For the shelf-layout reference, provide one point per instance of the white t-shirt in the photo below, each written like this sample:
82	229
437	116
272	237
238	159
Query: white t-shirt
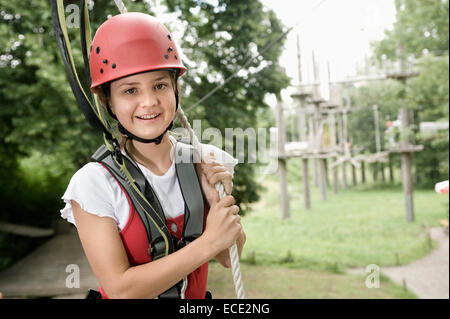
98	193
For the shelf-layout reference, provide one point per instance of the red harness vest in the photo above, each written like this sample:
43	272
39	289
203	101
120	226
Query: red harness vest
135	242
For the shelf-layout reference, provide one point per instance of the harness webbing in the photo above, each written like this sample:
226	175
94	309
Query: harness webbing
154	220
92	112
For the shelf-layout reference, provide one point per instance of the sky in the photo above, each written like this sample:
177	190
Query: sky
339	32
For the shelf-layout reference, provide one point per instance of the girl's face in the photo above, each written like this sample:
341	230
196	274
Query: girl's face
144	103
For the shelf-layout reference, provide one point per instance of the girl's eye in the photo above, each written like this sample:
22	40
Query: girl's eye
130	91
160	86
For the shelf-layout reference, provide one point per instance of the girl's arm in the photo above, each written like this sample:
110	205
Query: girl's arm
108	259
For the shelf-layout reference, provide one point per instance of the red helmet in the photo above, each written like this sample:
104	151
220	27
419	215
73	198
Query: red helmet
130	43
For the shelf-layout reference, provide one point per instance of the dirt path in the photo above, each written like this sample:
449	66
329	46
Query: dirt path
50	270
427	277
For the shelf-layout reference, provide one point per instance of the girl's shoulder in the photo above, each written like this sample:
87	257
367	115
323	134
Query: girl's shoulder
91	171
97	192
92	175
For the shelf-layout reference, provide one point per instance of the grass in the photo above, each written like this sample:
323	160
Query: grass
306	256
356	227
275	282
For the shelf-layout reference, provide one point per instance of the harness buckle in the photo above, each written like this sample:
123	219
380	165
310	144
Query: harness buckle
117	153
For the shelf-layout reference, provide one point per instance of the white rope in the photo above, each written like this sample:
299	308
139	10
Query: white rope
121	6
233	251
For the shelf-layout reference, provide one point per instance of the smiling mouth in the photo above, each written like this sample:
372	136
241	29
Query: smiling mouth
149	117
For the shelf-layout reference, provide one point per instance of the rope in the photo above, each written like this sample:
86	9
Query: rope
121	6
233	251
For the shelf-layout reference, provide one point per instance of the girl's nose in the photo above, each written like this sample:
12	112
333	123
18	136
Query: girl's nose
149	98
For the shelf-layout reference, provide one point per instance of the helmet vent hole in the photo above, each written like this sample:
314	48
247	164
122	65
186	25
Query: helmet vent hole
101	70
169	36
170	49
113	66
105	61
166	56
97	50
176	58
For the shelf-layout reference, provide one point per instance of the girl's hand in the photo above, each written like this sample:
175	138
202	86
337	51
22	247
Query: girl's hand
210	172
223	225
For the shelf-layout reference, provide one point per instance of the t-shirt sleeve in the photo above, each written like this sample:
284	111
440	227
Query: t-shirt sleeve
221	156
92	189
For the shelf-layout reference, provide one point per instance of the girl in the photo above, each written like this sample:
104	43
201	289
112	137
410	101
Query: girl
135	67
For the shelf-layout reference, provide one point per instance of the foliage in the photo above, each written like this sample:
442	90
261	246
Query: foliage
421	30
428	93
361	121
421	25
45	137
226	34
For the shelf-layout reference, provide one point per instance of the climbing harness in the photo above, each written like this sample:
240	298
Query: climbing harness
150	211
110	154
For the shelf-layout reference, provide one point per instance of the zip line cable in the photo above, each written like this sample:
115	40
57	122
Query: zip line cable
251	59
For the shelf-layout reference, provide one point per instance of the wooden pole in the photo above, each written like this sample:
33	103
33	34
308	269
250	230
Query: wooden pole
354	176
301	115
284	197
378	140
317	142
391	169
323	180
363	172
406	168
377	128
332	125
344	130
405	142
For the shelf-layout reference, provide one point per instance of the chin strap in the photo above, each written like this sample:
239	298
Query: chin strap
131	136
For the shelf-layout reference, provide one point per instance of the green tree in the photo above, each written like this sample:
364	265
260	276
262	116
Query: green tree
39	116
422	31
420	25
226	35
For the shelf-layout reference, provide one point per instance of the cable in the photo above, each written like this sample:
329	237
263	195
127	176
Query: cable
251	59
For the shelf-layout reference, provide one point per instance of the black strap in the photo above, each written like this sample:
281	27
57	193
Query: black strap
131	136
191	190
58	21
152	217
